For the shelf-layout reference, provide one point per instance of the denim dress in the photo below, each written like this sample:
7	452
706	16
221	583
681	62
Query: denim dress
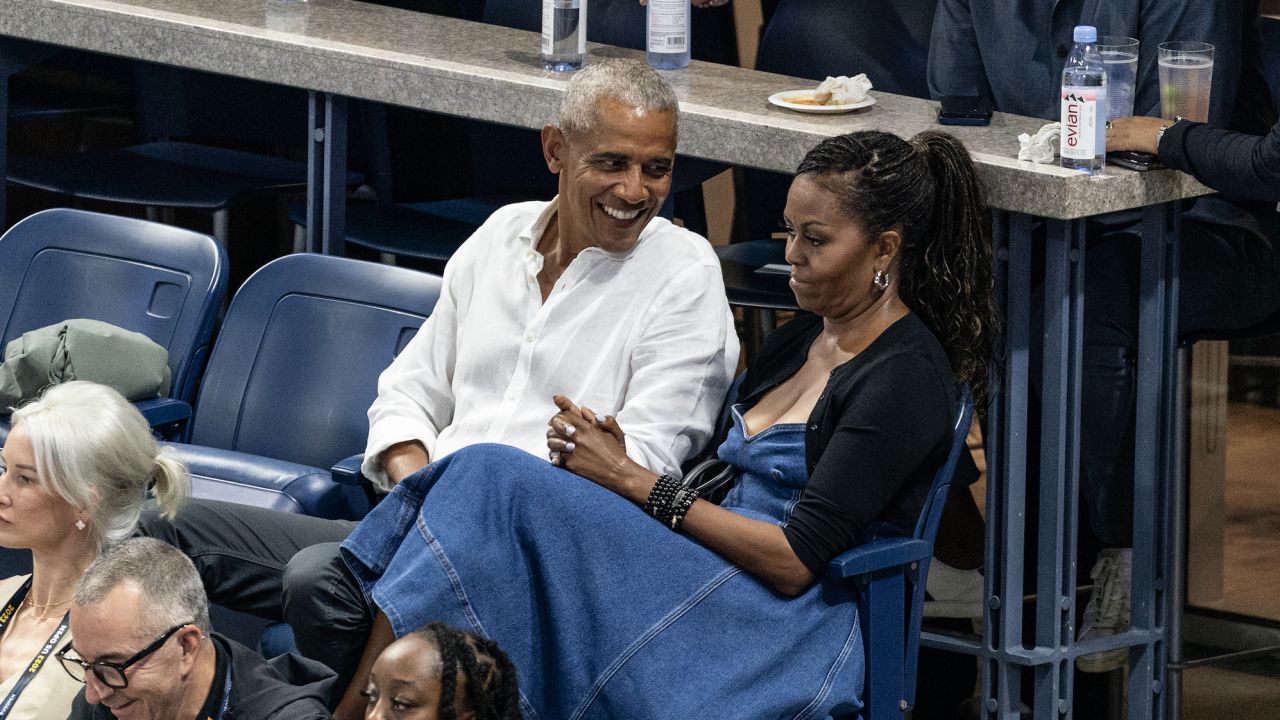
604	611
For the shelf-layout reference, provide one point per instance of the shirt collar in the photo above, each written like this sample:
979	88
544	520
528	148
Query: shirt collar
529	236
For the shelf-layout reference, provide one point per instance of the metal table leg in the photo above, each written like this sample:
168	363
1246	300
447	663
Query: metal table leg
327	174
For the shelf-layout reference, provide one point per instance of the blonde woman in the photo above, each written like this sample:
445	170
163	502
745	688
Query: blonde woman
76	469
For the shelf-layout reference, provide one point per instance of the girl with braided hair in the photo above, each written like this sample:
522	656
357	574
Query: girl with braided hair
440	673
840	425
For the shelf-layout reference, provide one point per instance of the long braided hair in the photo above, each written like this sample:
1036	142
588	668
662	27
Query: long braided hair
927	189
478	669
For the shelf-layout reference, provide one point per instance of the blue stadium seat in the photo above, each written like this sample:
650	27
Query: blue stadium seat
164	282
292	375
890	574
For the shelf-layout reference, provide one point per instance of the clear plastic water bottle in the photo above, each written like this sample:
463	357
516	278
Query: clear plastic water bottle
668	34
1084	104
564	34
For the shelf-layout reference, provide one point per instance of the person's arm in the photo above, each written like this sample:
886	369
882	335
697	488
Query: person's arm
352	704
955	64
415	393
1245	167
892	422
680	371
756	546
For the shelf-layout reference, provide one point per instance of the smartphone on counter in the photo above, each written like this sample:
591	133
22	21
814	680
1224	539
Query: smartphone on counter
964	110
1133	160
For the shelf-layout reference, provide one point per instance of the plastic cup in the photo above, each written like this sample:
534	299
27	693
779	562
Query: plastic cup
1120	56
1186	80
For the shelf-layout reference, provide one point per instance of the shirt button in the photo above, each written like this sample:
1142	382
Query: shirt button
531	337
1062	51
813	427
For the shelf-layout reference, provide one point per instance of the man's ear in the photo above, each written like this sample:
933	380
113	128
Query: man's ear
553	147
189	639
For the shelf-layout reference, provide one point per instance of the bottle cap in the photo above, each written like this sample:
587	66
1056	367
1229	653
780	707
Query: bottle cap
1085	34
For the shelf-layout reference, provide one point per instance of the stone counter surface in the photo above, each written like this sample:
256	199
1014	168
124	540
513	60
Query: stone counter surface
495	74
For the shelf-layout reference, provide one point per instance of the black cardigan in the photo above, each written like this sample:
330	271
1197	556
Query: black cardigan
875	439
1243	167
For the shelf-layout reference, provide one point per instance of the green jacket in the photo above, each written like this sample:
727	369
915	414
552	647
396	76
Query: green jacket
82	349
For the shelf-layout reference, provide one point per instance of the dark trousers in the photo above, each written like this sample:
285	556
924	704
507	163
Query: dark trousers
1229	280
277	566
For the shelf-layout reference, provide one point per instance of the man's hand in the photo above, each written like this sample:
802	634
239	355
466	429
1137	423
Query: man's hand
403	459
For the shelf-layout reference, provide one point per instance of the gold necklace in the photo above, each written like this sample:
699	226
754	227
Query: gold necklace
43	609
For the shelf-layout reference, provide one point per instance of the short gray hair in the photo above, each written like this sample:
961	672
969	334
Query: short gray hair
627	81
95	450
167	580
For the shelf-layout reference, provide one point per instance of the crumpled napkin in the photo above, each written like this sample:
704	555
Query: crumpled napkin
1040	148
842	90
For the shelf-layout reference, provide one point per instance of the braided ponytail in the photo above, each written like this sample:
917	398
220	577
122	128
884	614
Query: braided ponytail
928	190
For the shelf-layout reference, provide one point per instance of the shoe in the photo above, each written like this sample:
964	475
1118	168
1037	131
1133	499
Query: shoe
953	593
1108	610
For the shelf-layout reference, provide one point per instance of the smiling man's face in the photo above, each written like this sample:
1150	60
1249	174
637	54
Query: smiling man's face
614	176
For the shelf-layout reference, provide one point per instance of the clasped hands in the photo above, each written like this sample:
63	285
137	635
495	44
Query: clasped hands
587	444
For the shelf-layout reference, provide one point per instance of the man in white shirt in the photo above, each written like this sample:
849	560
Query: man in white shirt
590	296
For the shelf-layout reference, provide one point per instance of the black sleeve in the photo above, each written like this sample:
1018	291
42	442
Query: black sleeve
1243	167
889	428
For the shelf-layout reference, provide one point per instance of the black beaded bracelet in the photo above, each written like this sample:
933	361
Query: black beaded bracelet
661	496
679	506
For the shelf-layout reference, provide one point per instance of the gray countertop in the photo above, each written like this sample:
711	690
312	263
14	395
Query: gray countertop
492	73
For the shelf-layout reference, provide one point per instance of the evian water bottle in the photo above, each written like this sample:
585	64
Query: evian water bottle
1084	104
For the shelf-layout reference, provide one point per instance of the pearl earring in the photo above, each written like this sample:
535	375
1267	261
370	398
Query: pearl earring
80	525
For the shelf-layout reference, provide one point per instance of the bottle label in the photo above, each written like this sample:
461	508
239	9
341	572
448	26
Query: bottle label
549	29
668	26
1083	133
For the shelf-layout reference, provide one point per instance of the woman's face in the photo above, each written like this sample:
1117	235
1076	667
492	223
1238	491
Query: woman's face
833	261
30	516
404	683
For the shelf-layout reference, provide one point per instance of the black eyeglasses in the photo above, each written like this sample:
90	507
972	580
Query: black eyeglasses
109	673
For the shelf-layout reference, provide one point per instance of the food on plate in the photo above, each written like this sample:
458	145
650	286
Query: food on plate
840	90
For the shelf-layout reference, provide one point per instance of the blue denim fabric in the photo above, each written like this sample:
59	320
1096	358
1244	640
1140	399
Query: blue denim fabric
605	612
1012	51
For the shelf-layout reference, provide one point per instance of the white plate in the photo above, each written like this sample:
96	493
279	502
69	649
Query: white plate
782	99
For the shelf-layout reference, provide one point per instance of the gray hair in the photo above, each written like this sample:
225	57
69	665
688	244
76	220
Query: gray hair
628	81
95	451
167	580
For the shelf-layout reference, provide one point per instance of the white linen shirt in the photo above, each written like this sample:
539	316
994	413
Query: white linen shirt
645	335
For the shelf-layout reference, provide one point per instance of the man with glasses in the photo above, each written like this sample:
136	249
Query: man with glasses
144	651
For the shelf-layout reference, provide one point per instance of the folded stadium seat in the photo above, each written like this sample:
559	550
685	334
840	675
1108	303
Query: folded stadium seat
504	164
204	137
164	282
292	374
889	41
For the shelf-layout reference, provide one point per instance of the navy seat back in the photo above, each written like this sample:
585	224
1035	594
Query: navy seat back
164	282
1271	56
296	364
887	40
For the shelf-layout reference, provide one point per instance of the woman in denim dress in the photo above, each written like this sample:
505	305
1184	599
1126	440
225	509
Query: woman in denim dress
618	595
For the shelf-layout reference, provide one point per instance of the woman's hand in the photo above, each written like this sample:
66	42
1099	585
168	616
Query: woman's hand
1135	133
590	445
